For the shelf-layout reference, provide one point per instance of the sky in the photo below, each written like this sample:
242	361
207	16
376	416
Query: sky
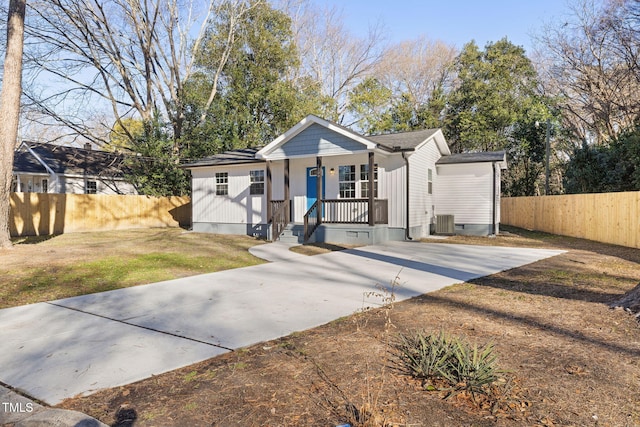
453	21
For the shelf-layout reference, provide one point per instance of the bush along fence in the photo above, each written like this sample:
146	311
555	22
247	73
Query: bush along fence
604	217
39	214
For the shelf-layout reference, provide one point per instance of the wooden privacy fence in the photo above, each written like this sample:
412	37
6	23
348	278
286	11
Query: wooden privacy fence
603	217
34	214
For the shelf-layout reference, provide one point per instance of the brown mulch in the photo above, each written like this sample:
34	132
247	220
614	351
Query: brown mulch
569	358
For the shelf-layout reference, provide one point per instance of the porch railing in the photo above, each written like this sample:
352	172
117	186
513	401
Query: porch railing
280	217
354	211
311	221
345	211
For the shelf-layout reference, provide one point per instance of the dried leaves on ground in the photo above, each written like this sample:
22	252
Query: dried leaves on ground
569	358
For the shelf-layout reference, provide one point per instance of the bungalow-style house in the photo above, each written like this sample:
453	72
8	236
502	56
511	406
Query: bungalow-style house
49	168
314	182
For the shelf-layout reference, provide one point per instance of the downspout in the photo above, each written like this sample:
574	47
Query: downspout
406	162
493	199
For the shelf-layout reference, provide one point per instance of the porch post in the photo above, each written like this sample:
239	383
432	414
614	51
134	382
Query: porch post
269	192
319	189
287	194
371	213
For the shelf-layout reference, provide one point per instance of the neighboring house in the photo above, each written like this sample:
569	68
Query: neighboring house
49	168
415	179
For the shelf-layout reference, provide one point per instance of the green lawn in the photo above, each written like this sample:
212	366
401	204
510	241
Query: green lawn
68	265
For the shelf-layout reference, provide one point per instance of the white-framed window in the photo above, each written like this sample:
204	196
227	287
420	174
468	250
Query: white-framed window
347	181
257	182
14	184
45	185
364	181
91	188
222	183
430	181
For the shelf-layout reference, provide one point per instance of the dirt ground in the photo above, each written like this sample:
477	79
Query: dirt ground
569	359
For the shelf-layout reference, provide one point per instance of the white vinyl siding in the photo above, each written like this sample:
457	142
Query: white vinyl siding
77	185
236	207
422	203
392	186
466	190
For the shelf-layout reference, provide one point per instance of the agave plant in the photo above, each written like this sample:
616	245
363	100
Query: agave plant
453	359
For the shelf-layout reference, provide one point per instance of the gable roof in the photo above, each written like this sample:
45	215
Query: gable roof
385	144
231	157
409	141
403	140
25	162
307	122
66	160
485	156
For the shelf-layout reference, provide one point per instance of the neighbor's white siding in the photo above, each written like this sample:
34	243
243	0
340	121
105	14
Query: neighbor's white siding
237	207
421	203
77	185
465	190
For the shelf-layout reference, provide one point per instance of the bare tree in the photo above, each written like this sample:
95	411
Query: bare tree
621	18
417	68
330	54
10	110
590	66
131	55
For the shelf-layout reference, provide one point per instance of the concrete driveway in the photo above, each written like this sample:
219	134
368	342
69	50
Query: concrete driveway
63	348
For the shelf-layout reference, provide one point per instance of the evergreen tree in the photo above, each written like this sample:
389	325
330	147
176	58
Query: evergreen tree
257	100
496	106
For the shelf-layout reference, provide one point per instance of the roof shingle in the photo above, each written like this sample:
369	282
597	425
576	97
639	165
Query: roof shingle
487	156
66	160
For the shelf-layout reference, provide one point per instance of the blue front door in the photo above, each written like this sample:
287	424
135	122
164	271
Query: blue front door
312	190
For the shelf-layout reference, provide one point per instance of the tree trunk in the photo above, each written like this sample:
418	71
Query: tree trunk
629	302
10	110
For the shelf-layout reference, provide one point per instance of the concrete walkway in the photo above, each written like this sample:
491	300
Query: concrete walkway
276	251
63	348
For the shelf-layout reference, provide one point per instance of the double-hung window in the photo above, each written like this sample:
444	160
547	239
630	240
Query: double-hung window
347	181
222	183
257	182
430	181
364	181
92	187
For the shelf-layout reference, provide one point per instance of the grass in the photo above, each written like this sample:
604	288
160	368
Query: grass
570	359
44	269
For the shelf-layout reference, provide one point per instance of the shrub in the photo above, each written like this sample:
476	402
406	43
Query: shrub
445	359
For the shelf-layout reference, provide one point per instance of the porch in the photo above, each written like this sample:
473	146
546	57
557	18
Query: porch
347	198
347	220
